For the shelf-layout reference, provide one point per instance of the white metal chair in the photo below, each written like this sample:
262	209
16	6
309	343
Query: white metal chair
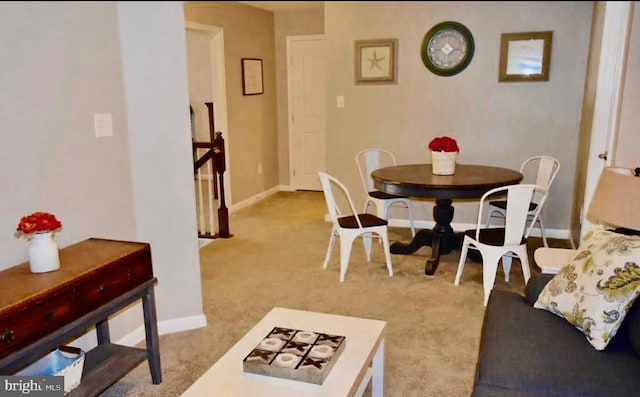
547	169
502	242
369	160
349	225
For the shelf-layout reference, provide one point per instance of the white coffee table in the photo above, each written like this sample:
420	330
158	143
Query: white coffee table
361	361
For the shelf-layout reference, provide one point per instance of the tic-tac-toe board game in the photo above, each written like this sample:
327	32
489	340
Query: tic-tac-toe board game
295	354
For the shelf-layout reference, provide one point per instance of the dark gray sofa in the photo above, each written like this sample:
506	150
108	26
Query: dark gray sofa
532	352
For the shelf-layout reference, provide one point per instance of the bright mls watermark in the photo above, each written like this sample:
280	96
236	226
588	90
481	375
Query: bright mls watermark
40	386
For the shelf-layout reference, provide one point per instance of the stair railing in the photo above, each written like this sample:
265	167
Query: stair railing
206	167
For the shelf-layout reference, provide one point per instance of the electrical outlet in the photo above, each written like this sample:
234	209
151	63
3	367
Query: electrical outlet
259	168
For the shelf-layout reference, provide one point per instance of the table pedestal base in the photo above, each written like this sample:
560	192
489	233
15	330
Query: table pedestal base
442	239
440	243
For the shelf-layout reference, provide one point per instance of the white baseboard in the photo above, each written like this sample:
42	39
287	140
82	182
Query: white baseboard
204	241
165	327
182	324
254	199
261	196
418	224
287	188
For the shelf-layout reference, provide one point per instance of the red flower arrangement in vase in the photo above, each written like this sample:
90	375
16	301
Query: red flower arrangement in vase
39	227
443	144
444	153
38	222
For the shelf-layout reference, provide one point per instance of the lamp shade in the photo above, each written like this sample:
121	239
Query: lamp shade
616	200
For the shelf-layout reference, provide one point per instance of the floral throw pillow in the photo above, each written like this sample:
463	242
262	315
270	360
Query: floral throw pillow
595	290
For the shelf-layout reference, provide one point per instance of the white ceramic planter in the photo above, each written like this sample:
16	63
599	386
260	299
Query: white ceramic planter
443	163
43	253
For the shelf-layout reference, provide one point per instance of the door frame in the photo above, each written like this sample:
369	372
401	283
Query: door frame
290	40
606	113
219	91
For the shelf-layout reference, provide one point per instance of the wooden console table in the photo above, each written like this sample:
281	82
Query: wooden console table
97	278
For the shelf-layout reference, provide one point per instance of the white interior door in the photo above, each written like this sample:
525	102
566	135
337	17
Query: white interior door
307	101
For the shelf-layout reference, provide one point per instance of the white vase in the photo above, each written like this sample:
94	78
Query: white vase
443	163
43	253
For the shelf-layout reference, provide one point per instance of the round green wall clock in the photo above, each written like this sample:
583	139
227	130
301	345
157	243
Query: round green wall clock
447	48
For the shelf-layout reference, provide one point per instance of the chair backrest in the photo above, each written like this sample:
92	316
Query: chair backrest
369	160
518	199
544	170
328	182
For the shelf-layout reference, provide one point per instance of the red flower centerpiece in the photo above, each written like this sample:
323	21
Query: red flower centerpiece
39	227
444	153
38	222
443	144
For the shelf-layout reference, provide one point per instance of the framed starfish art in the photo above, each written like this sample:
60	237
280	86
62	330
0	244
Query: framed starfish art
375	61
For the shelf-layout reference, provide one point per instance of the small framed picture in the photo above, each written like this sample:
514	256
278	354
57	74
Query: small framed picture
375	61
252	76
525	56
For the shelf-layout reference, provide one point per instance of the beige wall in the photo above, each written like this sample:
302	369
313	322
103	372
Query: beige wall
253	140
200	81
61	64
498	124
153	41
290	23
628	148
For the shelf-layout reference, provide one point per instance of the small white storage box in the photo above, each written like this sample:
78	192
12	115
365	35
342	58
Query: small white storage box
65	361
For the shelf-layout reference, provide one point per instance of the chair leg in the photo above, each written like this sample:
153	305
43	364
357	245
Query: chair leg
489	269
410	211
384	236
346	241
382	209
543	233
367	203
407	205
506	265
366	240
379	211
328	255
524	262
463	259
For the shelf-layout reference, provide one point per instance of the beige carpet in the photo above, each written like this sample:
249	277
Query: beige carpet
275	259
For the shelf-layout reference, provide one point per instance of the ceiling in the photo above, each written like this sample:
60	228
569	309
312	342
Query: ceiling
284	5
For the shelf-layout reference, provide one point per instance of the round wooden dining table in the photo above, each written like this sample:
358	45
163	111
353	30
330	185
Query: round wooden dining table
417	180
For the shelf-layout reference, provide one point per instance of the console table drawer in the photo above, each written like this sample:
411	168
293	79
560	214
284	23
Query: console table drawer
112	282
31	323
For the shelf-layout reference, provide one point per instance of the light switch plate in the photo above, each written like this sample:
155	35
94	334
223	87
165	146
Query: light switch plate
103	123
